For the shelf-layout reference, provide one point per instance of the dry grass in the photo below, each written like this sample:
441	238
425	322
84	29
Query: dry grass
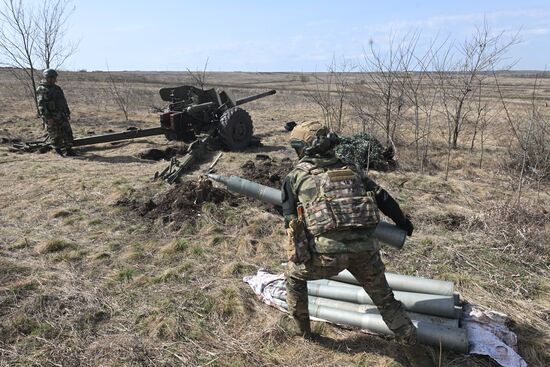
86	282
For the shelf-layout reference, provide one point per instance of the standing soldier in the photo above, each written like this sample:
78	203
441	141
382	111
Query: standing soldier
331	211
54	110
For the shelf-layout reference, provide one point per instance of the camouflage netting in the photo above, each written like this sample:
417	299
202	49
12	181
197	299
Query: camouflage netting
363	149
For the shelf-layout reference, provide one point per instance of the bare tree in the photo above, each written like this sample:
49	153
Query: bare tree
51	20
413	88
458	70
199	77
480	110
18	37
420	94
33	37
462	68
484	114
120	91
385	79
537	142
530	154
331	92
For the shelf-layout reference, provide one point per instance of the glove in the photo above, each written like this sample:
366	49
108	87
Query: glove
407	226
389	207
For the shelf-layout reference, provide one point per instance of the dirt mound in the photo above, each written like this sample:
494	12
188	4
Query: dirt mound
269	172
182	203
162	154
266	170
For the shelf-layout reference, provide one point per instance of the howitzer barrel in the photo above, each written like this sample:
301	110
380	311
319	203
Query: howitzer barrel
200	107
126	135
254	97
385	232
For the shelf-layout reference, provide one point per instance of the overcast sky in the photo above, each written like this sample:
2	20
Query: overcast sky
285	35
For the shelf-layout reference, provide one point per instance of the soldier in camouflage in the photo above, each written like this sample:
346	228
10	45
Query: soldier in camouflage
54	110
331	211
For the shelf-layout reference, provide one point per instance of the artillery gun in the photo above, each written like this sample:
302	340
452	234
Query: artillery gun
193	111
191	114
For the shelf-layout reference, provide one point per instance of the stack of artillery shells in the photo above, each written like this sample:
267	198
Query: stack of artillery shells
432	305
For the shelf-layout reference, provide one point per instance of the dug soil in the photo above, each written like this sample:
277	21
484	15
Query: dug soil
181	204
267	171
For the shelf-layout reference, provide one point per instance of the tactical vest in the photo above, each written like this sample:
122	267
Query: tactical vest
52	100
335	199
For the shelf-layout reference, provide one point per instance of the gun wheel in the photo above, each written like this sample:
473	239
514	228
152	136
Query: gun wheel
235	129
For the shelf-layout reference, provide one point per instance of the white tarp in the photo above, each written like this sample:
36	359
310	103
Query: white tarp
487	331
264	284
488	335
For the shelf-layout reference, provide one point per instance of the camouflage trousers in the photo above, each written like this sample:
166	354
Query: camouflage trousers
368	269
60	133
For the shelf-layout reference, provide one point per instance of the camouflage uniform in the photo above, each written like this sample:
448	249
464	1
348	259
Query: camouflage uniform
54	110
344	242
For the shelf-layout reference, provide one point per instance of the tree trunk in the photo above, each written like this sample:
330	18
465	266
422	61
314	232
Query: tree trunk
448	163
482	149
34	93
474	137
456	130
457	121
416	130
388	120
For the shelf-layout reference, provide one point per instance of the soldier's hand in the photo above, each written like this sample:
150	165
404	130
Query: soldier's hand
407	226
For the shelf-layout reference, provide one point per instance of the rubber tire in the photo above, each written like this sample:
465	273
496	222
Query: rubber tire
236	129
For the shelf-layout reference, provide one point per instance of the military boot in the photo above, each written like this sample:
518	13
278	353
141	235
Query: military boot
304	327
71	152
60	152
294	327
419	356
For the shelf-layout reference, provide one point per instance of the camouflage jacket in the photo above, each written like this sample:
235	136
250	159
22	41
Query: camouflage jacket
51	101
341	241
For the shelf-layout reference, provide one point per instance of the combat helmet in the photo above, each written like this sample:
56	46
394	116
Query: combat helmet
49	73
312	137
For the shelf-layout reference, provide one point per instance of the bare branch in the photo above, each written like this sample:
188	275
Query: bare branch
331	93
17	40
120	91
33	36
199	77
50	21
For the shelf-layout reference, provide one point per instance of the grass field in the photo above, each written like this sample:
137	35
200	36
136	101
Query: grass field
91	275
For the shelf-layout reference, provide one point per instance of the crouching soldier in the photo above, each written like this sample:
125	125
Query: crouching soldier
54	110
331	212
